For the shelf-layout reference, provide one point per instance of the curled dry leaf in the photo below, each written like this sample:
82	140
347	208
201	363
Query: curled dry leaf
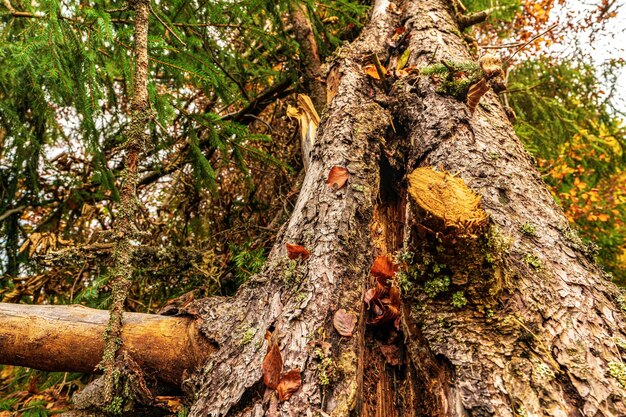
297	251
344	322
394	296
475	92
272	364
384	267
491	65
337	177
289	383
371	71
391	354
369	296
389	313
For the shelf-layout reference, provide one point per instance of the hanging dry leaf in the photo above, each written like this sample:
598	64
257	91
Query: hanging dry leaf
297	251
491	65
375	293
383	267
289	383
273	363
475	92
394	296
369	296
344	322
337	177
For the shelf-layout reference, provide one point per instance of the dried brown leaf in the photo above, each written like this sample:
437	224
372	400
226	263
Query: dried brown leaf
289	383
389	313
391	354
344	322
272	364
337	177
491	65
383	267
394	296
475	92
297	251
369	296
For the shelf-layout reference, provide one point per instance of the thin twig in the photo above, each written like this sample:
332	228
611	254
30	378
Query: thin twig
527	43
379	68
510	45
12	211
167	28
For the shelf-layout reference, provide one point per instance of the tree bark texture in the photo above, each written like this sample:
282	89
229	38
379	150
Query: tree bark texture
311	63
540	332
537	335
69	338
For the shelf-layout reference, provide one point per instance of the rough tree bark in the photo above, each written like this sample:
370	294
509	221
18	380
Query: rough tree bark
537	336
541	331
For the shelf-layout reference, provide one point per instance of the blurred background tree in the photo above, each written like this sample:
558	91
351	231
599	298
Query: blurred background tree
224	167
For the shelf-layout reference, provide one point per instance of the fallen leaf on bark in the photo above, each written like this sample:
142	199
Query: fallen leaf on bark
297	251
273	363
475	92
391	354
404	58
383	267
344	322
289	383
372	72
389	313
337	177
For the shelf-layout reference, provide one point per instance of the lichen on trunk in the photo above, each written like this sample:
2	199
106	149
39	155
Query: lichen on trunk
120	383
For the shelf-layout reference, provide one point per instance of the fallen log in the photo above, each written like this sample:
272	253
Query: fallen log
69	338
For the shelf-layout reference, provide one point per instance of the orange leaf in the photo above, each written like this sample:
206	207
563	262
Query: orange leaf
385	315
372	72
475	92
603	217
344	322
289	383
297	251
272	364
394	296
383	267
337	177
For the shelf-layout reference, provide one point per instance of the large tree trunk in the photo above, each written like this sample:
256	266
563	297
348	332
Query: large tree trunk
540	334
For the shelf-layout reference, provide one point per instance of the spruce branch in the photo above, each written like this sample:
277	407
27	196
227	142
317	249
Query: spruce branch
466	21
